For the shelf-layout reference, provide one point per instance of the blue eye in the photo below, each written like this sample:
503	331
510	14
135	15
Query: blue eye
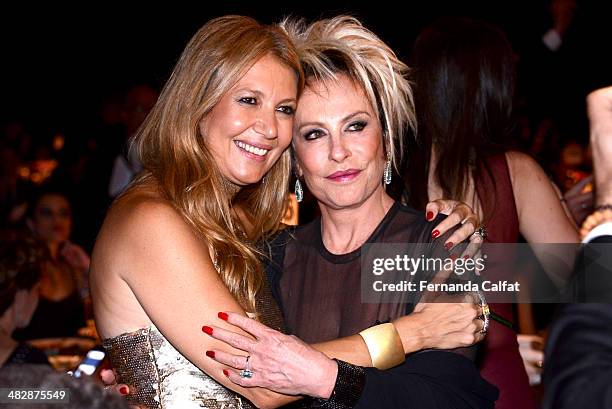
248	100
357	126
287	110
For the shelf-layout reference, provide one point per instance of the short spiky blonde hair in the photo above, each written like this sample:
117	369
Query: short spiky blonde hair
342	45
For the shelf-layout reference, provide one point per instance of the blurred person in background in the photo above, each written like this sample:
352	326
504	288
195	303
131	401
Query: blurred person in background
63	291
139	100
578	373
464	75
20	272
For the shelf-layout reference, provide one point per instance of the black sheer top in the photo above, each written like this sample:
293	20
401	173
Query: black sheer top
320	296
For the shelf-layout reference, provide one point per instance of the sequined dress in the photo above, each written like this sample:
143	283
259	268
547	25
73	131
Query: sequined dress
160	377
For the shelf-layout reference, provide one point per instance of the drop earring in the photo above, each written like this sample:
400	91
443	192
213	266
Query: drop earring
388	174
299	192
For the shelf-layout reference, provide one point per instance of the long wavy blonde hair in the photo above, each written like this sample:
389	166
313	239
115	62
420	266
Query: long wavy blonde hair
175	157
342	45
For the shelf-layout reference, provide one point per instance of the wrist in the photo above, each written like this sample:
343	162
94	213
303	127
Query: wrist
324	387
603	197
348	387
602	214
411	332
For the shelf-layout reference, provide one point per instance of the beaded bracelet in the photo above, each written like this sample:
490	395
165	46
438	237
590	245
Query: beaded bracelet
600	215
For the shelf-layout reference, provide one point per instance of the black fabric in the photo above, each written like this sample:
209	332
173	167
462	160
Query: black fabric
429	379
26	354
319	294
347	389
54	319
578	364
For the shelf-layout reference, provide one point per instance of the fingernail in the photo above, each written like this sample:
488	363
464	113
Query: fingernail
466	256
448	245
435	234
453	257
210	354
429	215
123	390
226	372
207	330
223	316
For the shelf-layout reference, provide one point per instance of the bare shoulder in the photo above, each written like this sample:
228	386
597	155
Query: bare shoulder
524	169
141	210
521	163
138	223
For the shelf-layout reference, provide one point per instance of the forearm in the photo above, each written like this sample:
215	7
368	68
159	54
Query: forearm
352	349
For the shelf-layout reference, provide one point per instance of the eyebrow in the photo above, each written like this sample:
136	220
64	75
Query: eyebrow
261	94
345	119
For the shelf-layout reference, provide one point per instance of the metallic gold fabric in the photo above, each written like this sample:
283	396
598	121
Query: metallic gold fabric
160	377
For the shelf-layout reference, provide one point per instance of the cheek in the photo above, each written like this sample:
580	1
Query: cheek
220	126
43	223
372	151
309	160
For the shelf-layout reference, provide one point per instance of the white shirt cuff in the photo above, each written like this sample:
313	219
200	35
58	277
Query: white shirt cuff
604	229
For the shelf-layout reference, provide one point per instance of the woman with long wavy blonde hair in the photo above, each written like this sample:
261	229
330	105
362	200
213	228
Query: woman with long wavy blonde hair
174	250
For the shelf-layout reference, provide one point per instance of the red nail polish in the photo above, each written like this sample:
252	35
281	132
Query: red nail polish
429	215
223	316
435	234
123	390
453	257
448	245
226	373
466	256
207	330
210	354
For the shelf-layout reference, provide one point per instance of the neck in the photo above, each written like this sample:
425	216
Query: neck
344	230
232	189
53	249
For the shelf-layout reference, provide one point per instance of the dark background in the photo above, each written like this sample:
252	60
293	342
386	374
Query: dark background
59	63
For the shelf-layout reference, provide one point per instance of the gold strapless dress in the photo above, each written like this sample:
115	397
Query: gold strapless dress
160	377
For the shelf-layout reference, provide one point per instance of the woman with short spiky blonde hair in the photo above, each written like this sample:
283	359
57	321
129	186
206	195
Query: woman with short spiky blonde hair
343	46
348	135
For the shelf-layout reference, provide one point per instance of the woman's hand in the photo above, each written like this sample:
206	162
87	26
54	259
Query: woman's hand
531	348
279	362
441	325
109	379
75	256
458	213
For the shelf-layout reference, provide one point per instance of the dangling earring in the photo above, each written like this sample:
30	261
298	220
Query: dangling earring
388	173
299	193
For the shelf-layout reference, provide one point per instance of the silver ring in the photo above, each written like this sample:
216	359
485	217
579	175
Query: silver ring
482	232
246	372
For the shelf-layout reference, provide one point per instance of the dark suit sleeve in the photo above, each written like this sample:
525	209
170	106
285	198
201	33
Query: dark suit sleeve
578	365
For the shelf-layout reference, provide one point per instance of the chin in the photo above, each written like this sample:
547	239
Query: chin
247	179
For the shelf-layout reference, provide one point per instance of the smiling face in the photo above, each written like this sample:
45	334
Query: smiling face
250	127
338	144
